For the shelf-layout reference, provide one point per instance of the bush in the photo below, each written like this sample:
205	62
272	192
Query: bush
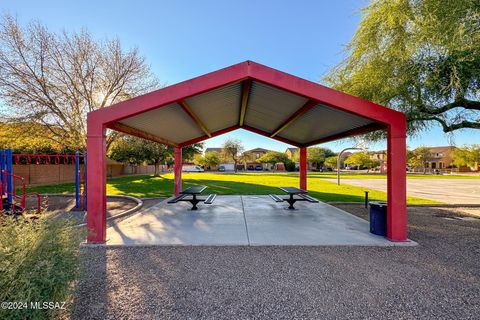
38	263
290	166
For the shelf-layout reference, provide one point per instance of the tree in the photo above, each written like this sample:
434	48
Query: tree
188	153
362	160
246	157
127	149
274	157
316	156
232	150
54	80
12	135
467	156
155	153
331	162
420	57
133	150
419	157
209	160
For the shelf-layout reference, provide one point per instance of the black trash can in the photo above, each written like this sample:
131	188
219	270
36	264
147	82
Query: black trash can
378	218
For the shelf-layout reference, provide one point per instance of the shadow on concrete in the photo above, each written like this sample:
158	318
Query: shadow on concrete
147	186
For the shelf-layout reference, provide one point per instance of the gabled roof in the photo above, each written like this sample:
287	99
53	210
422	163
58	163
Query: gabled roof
219	150
257	150
292	150
250	96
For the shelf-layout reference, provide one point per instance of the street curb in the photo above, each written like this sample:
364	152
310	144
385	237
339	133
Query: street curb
117	216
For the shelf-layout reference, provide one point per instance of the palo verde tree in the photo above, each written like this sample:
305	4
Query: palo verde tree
54	79
419	57
232	150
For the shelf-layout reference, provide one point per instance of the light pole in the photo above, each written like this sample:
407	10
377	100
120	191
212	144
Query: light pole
340	156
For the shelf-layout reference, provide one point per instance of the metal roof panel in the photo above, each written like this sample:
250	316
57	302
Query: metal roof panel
268	107
218	109
169	122
320	122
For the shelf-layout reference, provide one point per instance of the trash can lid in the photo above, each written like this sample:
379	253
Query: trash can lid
378	203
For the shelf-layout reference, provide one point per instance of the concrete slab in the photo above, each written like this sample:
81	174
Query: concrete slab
313	224
244	220
175	224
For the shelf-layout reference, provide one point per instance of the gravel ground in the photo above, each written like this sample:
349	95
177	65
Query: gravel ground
439	279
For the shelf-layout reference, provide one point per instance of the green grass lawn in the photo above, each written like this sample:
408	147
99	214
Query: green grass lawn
229	183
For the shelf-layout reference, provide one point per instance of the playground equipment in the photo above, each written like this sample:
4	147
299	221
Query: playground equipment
10	184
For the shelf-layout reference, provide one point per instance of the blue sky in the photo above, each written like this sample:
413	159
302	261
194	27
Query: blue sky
183	39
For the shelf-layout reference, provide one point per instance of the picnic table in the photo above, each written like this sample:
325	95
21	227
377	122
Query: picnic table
190	194
295	194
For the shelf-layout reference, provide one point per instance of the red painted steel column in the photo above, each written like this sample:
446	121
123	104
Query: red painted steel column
303	168
397	183
96	182
177	170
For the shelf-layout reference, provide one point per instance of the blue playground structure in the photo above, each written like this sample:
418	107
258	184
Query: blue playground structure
13	187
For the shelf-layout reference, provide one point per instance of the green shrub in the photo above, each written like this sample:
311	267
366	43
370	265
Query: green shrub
38	263
289	166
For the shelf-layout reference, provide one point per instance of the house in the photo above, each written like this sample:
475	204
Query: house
249	159
257	152
381	157
218	150
440	158
251	156
290	152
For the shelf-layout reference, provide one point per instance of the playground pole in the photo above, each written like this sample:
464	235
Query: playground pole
77	180
85	181
9	156
2	166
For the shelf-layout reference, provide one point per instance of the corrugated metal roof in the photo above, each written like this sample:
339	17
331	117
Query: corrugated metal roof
218	109
169	122
269	107
321	122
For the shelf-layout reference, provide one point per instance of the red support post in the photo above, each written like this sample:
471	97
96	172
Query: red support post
303	168
178	170
96	180
397	183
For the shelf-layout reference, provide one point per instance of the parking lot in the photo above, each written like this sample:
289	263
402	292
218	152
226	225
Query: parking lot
451	191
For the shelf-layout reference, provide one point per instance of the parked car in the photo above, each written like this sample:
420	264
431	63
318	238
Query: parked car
221	169
258	168
251	167
192	168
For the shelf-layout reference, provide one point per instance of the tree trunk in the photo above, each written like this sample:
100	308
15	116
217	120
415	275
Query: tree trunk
156	172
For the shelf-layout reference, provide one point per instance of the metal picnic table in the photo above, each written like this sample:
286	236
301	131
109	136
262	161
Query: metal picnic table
194	192
292	192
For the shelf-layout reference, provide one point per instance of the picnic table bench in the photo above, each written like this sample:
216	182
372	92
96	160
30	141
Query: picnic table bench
295	194
190	194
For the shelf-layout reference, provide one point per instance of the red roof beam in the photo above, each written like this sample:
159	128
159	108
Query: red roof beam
297	114
140	134
194	117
